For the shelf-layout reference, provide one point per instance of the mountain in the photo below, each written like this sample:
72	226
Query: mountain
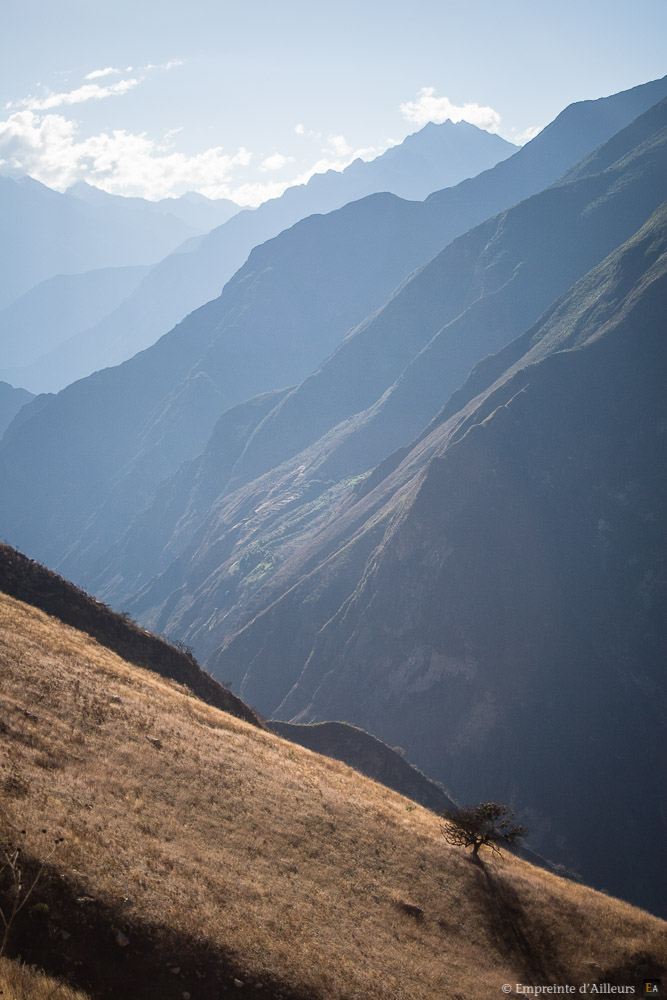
494	598
126	429
189	852
197	211
44	340
11	401
436	157
38	322
221	530
47	233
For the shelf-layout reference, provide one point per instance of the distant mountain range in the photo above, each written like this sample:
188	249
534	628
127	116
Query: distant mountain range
47	233
406	471
201	214
437	156
41	323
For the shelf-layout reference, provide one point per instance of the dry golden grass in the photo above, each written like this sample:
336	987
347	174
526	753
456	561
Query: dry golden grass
184	817
21	982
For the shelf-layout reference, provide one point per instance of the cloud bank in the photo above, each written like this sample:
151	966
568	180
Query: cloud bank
429	108
48	148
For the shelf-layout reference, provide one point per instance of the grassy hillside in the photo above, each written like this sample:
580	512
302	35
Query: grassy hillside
33	583
204	857
366	753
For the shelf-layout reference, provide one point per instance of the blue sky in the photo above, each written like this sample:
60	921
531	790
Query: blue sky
240	100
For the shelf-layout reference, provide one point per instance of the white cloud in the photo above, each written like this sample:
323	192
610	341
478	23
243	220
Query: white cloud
429	108
87	92
109	71
275	162
299	129
338	145
168	65
527	134
47	148
93	91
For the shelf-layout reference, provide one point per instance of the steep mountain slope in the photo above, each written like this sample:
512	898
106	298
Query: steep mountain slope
495	599
471	299
375	393
368	754
11	401
46	233
198	854
126	429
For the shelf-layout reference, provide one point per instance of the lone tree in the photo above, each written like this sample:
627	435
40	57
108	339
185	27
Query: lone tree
488	823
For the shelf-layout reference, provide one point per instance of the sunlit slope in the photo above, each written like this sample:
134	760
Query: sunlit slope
222	852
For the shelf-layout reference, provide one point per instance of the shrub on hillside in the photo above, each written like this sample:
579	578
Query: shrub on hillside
488	824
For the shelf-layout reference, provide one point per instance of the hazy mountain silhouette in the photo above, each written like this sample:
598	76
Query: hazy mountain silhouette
53	312
198	271
196	210
47	233
11	401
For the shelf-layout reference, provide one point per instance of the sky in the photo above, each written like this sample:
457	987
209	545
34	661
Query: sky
149	98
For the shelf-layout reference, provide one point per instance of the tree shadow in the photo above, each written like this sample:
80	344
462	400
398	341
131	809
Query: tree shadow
518	933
